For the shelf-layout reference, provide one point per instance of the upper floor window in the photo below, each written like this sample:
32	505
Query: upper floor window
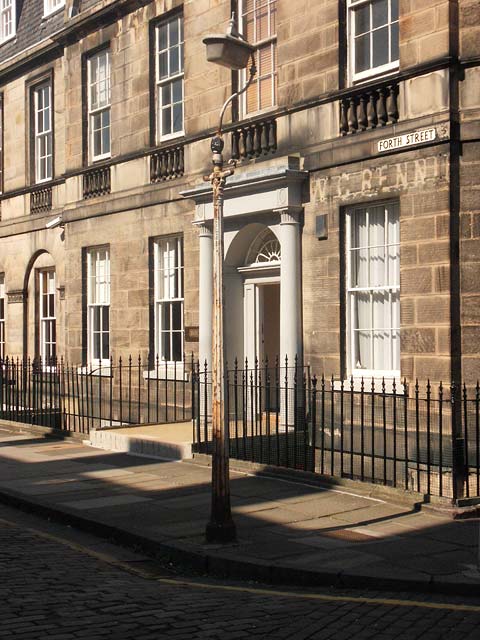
374	40
98	80
8	22
50	6
169	77
258	26
98	302
373	290
48	323
2	316
169	333
43	131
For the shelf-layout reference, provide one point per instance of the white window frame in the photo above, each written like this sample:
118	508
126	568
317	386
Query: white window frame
99	109
170	78
174	273
52	6
8	15
2	315
270	40
45	134
352	290
379	71
46	319
98	297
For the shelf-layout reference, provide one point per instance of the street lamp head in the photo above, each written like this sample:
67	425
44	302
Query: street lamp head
230	50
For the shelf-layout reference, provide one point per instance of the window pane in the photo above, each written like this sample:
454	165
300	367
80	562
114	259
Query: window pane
165	346
166	121
165	316
379	13
394	10
106	346
174	60
176	347
105	319
177	90
106	131
362	19
380	47
266	98
96	346
163	65
177	117
162	36
176	316
166	94
174	33
362	53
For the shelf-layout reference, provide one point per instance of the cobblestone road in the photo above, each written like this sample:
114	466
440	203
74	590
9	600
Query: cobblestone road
57	583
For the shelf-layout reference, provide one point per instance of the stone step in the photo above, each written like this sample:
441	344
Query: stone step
161	441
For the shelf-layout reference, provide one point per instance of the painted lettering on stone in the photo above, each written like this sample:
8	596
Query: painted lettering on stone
391	178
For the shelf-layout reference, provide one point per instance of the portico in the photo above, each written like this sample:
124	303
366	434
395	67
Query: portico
263	217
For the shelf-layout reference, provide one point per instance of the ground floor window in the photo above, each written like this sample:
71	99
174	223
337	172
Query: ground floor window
373	289
48	323
168	285
98	300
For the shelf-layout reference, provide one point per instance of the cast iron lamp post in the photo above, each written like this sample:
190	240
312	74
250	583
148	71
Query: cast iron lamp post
232	51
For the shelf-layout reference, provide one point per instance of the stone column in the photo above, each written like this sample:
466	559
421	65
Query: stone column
205	318
290	308
290	287
205	294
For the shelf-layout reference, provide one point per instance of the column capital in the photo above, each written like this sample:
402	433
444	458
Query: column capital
204	229
289	215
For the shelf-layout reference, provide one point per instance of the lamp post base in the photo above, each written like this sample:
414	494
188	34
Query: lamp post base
221	532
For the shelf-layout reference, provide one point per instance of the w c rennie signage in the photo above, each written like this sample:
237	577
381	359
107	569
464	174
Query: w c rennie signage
407	139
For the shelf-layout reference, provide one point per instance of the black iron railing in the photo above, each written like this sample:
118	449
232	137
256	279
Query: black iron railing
59	395
398	435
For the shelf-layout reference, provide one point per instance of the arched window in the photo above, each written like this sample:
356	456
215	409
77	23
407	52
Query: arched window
265	249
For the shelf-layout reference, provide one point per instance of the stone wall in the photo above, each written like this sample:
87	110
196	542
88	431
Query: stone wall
307	49
424	31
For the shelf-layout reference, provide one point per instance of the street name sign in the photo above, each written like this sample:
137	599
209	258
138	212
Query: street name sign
407	139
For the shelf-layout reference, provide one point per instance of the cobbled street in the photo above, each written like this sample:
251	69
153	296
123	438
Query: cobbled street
62	584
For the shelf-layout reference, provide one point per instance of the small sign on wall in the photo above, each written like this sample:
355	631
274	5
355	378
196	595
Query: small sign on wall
191	334
407	140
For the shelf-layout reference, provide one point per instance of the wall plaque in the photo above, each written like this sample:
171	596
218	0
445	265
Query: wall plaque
407	139
191	334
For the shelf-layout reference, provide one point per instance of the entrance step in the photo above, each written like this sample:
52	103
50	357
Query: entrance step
162	441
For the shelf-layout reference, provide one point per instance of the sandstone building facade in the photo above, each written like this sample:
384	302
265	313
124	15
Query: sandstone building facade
352	223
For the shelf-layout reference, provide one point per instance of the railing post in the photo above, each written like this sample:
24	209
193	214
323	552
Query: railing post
458	448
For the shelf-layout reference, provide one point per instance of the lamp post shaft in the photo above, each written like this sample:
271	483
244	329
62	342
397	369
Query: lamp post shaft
221	527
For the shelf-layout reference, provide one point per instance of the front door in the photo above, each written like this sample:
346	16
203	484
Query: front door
262	330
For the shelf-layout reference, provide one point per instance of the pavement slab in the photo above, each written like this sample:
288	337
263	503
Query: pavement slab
287	531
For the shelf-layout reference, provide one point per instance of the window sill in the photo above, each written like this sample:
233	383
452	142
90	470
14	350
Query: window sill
167	372
171	137
382	74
